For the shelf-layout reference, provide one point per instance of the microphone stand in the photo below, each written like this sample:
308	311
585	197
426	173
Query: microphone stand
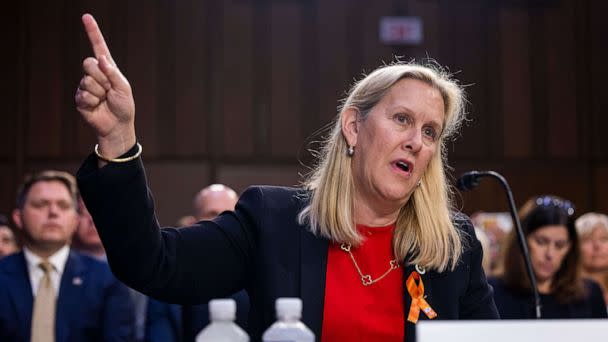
473	177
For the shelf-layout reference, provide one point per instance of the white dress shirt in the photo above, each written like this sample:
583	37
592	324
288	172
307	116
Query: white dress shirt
58	260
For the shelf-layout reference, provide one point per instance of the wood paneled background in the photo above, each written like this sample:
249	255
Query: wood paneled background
232	91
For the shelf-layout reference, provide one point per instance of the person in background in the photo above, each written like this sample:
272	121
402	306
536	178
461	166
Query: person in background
170	322
212	201
491	232
8	241
548	225
49	292
483	238
86	240
592	229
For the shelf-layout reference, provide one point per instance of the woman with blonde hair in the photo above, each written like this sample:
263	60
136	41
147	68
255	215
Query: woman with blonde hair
370	243
548	225
592	229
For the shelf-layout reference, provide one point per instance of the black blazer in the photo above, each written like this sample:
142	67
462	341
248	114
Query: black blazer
260	247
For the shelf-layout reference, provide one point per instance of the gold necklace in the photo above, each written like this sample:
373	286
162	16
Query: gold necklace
366	279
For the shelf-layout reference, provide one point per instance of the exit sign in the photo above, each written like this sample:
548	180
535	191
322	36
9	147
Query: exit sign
401	30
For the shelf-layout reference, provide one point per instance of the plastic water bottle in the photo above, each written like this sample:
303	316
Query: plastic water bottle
288	328
222	328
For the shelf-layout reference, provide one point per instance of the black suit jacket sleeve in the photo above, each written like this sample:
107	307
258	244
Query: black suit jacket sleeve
186	266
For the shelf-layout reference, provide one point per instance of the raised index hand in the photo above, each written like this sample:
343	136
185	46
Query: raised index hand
98	43
104	97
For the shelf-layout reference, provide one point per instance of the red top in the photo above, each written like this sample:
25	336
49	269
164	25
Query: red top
354	312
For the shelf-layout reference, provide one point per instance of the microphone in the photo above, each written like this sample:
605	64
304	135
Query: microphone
467	182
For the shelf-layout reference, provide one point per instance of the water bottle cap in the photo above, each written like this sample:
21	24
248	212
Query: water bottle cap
222	309
289	308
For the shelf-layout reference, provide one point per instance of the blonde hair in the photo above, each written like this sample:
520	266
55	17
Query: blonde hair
424	226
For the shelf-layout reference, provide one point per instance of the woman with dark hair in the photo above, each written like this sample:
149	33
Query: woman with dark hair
548	225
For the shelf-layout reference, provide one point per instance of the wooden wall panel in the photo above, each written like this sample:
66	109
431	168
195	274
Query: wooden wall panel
532	179
371	51
174	185
85	140
310	114
428	11
70	72
597	76
50	164
7	188
12	33
141	68
600	184
466	21
240	79
561	84
229	91
333	55
515	76
487	196
240	176
191	79
43	122
493	83
285	92
165	92
526	180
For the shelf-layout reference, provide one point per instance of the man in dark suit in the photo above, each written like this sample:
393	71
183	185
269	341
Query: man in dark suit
47	291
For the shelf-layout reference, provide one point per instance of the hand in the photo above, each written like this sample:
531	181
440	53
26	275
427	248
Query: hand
104	97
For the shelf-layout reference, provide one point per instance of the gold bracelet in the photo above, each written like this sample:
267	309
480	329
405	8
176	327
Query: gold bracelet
118	160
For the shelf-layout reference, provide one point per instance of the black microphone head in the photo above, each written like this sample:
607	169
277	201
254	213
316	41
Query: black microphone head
468	181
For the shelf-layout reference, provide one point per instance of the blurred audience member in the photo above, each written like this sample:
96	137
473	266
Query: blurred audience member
8	241
548	226
495	227
592	230
486	262
86	240
213	200
49	292
170	322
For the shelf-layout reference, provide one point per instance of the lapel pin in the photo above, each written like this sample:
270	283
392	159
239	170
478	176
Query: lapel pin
77	281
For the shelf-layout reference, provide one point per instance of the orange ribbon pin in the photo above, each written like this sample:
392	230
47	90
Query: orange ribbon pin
418	301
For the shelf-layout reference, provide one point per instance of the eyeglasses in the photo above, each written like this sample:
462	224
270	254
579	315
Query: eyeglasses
552	201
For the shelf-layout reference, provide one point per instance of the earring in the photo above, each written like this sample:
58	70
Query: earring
350	151
419	183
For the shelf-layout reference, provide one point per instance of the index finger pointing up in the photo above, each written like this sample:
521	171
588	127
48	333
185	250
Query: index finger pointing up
96	38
